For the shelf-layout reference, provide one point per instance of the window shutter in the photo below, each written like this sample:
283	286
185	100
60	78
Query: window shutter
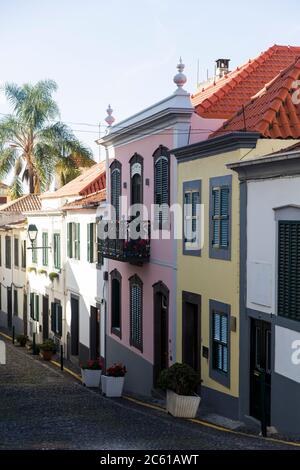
136	315
161	190
53	321
90	243
69	240
116	191
59	326
288	270
0	250
37	307
32	305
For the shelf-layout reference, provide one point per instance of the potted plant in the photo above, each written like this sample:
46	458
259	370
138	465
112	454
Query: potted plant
47	349
180	382
53	275
113	382
91	373
22	340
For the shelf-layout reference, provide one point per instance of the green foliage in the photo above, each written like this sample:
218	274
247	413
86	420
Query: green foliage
31	269
32	145
48	345
42	271
53	275
22	340
180	378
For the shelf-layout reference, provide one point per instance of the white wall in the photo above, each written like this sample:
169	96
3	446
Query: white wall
263	197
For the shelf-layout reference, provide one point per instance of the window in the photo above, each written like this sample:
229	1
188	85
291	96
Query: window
8	252
91	242
34	306
45	249
56	243
16	304
34	252
136	312
220	217
220	340
16	252
191	201
219	366
116	302
0	250
288	269
56	318
136	179
23	253
73	240
115	188
99	253
162	187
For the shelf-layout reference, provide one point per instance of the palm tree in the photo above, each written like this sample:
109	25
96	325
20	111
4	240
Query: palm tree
34	143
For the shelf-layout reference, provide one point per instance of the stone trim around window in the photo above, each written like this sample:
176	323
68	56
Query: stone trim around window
220	253
220	377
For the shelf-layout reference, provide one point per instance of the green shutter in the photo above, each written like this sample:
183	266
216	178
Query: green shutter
69	240
8	252
288	269
57	260
77	228
45	250
90	243
37	307
53	317
59	315
32	305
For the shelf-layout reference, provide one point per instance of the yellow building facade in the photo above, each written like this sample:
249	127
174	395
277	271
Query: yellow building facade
208	278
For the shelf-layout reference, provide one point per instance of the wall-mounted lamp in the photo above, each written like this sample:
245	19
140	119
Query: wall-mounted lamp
32	233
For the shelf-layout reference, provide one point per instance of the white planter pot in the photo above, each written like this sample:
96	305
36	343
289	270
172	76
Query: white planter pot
112	386
182	406
91	378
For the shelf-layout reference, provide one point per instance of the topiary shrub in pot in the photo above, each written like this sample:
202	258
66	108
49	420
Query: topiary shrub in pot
180	382
47	348
91	373
113	382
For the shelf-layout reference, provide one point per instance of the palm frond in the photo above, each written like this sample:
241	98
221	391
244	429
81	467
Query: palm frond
16	189
7	160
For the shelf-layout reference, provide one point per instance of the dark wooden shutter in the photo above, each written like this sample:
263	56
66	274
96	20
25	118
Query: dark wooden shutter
8	252
288	269
53	319
59	326
69	240
161	190
32	305
116	191
37	307
90	243
136	326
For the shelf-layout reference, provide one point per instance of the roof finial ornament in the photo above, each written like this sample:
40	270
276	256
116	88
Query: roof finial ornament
180	79
109	118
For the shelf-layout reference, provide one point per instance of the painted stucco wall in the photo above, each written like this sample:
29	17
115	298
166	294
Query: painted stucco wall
215	279
263	197
85	279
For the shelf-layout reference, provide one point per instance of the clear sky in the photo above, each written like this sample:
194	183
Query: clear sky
124	52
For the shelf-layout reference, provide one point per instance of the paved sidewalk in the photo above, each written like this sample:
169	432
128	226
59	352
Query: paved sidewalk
43	408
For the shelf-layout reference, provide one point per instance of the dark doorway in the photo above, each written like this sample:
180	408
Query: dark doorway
260	363
191	330
95	333
45	317
161	329
25	318
9	307
74	326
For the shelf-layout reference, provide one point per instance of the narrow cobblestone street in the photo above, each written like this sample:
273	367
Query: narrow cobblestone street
42	408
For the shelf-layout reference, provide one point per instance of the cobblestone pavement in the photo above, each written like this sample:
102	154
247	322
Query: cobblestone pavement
42	408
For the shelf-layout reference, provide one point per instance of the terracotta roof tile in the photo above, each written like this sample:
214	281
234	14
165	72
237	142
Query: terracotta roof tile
27	203
92	200
90	181
272	111
222	99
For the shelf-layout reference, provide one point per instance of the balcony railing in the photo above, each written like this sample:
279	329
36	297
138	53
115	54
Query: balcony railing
118	244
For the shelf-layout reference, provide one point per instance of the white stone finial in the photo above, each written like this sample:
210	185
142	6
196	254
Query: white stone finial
180	79
109	118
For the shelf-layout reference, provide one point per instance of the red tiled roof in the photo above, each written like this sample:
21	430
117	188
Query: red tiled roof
92	200
222	99
90	181
272	111
27	203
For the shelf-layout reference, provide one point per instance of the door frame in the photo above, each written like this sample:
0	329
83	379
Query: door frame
93	334
77	298
195	299
159	288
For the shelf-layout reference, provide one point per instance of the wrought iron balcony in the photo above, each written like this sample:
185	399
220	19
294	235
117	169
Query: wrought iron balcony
118	244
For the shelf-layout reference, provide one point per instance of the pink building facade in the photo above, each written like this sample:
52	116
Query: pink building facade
141	313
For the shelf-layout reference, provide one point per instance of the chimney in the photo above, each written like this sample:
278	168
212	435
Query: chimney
222	67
